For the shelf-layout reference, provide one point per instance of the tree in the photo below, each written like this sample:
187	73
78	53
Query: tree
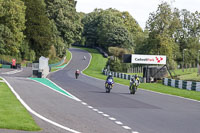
110	27
162	27
12	24
38	28
90	23
66	19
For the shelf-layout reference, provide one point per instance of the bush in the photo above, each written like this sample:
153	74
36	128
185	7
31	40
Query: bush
114	65
0	65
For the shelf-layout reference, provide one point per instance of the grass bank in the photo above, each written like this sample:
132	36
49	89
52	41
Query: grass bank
12	114
68	57
98	62
189	74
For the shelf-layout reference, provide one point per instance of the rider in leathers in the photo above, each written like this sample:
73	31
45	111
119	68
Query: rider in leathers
134	79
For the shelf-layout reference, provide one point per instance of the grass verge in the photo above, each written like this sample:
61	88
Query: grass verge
12	114
98	62
68	57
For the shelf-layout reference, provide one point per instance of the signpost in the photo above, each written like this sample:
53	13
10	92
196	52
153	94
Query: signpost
148	59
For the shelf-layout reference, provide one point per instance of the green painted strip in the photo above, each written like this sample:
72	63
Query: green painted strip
50	84
62	66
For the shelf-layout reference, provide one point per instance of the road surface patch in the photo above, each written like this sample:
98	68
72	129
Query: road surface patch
53	86
36	114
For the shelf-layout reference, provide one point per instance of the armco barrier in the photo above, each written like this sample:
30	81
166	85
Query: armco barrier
188	85
120	75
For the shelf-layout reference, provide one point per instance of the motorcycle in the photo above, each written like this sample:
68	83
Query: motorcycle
133	87
77	74
84	57
109	84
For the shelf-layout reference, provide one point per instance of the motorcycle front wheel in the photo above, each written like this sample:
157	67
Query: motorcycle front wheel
108	88
132	89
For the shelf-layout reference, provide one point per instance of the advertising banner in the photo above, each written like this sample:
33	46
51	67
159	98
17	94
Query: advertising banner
148	59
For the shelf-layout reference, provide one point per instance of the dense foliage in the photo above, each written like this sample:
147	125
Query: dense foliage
12	24
66	21
170	31
106	28
33	28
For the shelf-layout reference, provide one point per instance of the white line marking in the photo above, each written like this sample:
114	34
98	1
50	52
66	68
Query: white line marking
111	118
73	97
13	72
95	110
106	115
126	127
84	103
118	122
144	89
135	132
90	107
36	114
65	65
100	112
171	95
88	63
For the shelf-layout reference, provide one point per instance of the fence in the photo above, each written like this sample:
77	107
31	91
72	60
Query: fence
188	85
120	75
135	70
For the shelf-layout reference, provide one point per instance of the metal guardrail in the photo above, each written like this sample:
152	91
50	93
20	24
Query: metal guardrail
120	75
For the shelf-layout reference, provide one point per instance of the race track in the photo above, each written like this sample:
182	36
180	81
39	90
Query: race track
145	112
100	112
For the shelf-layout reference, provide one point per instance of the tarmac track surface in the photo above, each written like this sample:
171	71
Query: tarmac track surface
58	108
144	112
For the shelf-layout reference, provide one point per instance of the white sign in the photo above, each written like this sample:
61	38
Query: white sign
148	59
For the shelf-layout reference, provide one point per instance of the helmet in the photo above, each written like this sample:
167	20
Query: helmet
136	76
110	74
77	70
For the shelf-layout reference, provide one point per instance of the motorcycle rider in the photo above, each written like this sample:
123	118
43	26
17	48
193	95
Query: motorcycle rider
134	79
109	77
84	57
77	72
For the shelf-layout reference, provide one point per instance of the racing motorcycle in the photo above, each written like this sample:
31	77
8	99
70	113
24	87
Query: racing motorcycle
133	87
109	84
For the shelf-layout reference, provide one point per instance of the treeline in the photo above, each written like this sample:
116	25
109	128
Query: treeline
33	28
114	31
169	31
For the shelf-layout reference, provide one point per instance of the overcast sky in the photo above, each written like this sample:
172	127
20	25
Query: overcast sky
139	9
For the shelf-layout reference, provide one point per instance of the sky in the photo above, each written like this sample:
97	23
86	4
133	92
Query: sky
139	9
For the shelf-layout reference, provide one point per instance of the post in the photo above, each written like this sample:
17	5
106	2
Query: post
198	71
183	58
